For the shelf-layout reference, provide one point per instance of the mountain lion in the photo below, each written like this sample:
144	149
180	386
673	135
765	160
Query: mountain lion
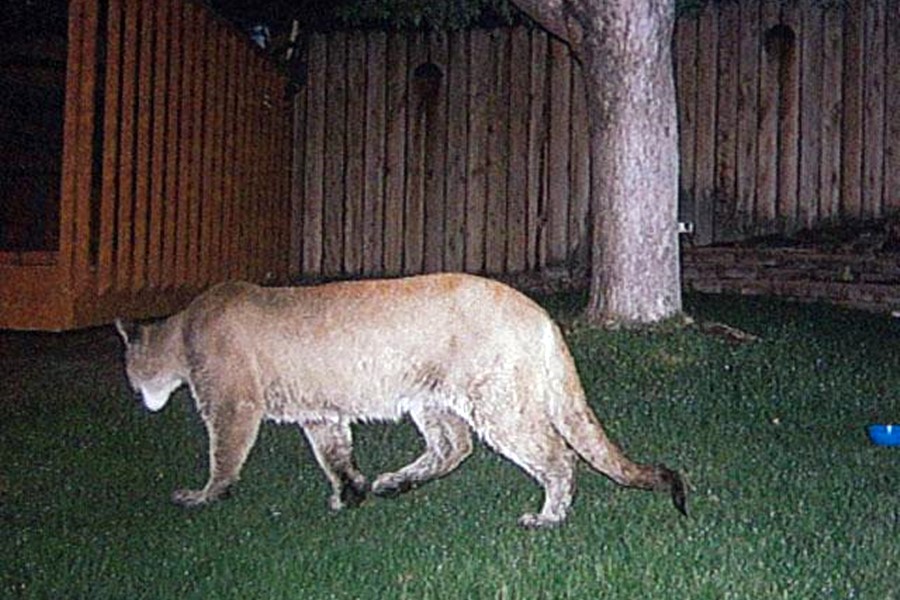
454	352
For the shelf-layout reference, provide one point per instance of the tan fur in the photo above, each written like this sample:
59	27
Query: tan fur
454	352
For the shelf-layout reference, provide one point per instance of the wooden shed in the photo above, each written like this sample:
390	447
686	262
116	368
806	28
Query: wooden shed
145	155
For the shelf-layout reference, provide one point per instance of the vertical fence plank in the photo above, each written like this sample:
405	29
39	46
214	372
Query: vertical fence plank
395	152
71	122
143	146
519	113
480	69
686	74
186	124
271	107
417	104
852	127
374	184
298	177
748	111
537	150
705	135
249	171
247	156
124	240
82	240
206	197
767	128
557	213
259	229
334	159
498	154
892	110
457	82
580	175
196	157
173	146
230	194
789	121
219	233
725	189
436	155
357	117
811	98
829	185
873	109
313	188
158	156
111	118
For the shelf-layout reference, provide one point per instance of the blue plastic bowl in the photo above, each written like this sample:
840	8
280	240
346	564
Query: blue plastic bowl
884	435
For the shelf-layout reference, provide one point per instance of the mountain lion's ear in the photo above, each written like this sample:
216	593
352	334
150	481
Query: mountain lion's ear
128	330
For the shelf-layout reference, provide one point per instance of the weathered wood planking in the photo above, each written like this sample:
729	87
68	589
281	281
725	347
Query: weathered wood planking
852	126
111	117
231	192
892	110
810	114
126	170
395	153
519	114
771	54
557	206
495	175
173	142
705	131
435	148
498	155
314	166
537	151
579	173
457	143
686	92
873	109
747	117
480	69
374	175
419	101
789	121
829	185
162	30
152	109
354	172
726	113
142	151
335	138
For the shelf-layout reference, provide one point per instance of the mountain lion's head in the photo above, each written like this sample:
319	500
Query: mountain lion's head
152	361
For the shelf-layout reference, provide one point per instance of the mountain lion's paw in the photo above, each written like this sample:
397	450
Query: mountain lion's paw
190	498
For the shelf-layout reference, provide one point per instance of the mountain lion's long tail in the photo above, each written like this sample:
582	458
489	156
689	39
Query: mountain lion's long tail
578	424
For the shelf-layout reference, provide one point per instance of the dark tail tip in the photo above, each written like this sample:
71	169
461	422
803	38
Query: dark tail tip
676	485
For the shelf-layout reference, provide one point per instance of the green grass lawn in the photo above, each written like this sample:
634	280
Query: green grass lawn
788	497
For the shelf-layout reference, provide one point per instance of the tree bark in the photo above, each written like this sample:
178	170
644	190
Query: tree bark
625	50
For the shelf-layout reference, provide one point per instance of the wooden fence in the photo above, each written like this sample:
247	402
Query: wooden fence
448	151
175	168
469	150
790	115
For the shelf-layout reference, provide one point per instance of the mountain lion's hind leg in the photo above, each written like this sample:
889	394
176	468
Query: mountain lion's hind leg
232	424
332	443
543	454
448	442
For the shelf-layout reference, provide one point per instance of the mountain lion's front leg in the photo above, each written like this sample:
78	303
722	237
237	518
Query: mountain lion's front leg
332	443
232	426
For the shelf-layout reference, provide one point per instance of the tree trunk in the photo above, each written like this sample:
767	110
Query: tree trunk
625	49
